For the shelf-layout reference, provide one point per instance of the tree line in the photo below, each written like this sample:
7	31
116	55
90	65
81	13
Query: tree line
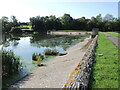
66	22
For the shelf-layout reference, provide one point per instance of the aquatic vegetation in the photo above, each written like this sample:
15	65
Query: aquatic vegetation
10	63
37	43
65	41
51	52
37	58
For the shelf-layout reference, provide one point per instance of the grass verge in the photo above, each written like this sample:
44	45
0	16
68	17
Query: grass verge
115	34
105	68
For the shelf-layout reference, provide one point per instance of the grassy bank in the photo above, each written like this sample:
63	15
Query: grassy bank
26	27
105	68
115	34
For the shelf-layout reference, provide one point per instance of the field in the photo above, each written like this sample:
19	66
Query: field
115	34
105	67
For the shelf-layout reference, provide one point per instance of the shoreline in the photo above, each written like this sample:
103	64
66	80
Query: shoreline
68	33
50	77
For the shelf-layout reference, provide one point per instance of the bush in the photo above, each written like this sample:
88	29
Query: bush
51	52
15	30
10	63
38	58
35	55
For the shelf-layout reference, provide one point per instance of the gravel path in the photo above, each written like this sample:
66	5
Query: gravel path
56	73
114	39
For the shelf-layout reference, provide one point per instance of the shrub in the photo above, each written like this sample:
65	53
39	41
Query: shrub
38	58
15	30
51	52
35	55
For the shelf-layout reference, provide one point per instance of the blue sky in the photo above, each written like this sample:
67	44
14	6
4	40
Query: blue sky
24	9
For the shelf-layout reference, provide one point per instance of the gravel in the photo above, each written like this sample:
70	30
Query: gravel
114	39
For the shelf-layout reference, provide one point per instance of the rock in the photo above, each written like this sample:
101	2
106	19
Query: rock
100	54
40	65
62	53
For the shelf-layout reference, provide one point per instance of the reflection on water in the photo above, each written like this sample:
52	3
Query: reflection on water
26	44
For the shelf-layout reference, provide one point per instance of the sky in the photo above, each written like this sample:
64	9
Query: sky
24	9
119	9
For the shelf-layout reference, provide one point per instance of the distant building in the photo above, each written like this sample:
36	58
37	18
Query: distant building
119	9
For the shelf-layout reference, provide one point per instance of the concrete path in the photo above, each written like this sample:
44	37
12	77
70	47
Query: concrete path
56	73
114	39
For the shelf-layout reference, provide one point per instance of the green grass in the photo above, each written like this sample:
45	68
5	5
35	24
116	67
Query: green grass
115	34
25	27
105	69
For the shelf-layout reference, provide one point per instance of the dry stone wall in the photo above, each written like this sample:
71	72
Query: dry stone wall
79	78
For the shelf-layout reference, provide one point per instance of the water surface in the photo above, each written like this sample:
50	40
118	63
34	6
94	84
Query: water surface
26	44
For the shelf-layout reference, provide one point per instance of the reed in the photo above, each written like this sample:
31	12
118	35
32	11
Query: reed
10	63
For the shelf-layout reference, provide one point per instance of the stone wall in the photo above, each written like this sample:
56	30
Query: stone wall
79	78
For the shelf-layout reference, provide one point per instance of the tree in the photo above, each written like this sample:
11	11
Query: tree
50	22
99	18
14	21
82	23
66	21
110	22
92	23
38	24
100	23
6	25
41	24
108	17
117	25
